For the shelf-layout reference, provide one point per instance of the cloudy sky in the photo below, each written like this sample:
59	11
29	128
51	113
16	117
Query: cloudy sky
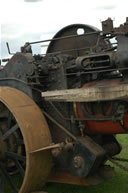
29	20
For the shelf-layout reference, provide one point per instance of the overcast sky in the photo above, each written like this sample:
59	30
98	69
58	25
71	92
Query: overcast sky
29	20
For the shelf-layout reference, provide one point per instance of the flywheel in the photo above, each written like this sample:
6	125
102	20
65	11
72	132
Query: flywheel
23	129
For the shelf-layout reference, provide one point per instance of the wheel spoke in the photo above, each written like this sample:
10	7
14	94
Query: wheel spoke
5	173
20	168
20	142
15	156
10	131
9	120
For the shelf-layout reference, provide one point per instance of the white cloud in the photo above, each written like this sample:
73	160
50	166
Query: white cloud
32	1
50	13
109	4
23	20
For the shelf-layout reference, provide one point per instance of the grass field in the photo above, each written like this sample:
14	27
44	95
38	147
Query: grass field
118	184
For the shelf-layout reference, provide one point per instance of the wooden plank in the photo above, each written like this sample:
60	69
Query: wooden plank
88	94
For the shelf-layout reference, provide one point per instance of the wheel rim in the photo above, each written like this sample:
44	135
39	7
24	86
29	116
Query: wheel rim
34	129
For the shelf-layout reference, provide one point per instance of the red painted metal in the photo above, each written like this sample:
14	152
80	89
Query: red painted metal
102	127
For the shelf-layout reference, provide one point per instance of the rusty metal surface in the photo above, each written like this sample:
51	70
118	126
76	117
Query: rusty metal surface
67	178
107	27
80	41
78	56
35	134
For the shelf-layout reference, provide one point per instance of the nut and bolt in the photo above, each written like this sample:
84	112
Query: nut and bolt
78	162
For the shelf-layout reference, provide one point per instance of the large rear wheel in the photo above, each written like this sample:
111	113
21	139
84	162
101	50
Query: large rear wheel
23	129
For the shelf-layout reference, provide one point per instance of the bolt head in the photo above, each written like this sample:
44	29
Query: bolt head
78	162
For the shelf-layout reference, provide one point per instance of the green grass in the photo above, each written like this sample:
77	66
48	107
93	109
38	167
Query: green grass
118	184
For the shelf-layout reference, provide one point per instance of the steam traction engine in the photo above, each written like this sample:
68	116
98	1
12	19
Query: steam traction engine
59	112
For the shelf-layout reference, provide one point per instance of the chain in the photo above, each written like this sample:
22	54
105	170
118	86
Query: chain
120	159
112	159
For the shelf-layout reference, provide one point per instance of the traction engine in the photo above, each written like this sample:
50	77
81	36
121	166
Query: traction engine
60	112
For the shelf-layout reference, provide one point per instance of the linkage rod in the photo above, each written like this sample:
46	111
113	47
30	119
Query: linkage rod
62	38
